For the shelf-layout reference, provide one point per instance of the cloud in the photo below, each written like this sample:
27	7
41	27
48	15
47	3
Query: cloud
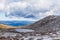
1	6
18	19
33	9
16	6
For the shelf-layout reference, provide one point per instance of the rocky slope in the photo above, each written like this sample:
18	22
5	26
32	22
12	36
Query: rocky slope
47	24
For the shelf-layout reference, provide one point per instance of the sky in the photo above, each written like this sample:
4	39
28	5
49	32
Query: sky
29	10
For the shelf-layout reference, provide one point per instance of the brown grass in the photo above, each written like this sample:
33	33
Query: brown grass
6	27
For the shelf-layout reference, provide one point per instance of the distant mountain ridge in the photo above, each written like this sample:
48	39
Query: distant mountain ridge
49	23
16	23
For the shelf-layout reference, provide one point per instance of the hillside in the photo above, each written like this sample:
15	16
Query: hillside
6	27
47	24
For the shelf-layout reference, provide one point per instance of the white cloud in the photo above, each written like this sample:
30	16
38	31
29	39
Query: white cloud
2	6
43	4
18	19
18	4
37	8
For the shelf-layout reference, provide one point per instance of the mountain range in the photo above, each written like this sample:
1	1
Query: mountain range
16	23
